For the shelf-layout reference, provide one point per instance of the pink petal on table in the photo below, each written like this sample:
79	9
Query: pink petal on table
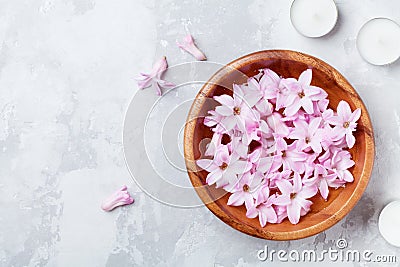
189	46
119	198
154	78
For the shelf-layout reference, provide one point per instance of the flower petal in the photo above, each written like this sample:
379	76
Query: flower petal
350	140
119	198
293	212
224	110
355	115
225	100
344	110
189	46
285	187
323	189
236	199
305	77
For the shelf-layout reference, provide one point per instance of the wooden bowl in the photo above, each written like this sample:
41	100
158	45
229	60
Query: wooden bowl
323	213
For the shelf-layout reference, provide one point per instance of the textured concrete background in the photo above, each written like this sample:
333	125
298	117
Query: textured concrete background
66	78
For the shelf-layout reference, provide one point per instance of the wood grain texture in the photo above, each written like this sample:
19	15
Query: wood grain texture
286	63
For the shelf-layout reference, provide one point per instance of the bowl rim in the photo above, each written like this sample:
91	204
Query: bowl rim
203	191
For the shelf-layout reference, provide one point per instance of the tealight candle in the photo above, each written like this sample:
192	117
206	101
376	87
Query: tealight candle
378	41
389	221
313	18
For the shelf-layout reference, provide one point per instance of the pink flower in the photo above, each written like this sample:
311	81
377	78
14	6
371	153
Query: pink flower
308	135
273	89
189	46
323	179
236	146
299	115
302	95
246	190
277	176
289	156
345	122
295	197
252	91
320	107
235	111
254	156
339	164
281	212
119	198
255	130
266	165
154	78
265	212
224	167
277	125
212	119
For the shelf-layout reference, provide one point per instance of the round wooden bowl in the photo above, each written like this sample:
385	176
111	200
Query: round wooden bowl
323	213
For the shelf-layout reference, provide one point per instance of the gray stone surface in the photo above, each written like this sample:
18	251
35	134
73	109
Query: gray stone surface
66	79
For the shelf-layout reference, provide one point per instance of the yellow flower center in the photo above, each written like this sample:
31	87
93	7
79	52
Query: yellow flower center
346	124
236	110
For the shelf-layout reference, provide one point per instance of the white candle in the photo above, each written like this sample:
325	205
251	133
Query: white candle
389	222
378	41
313	18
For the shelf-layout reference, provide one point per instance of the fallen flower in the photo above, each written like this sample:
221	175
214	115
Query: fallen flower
154	78
189	46
119	198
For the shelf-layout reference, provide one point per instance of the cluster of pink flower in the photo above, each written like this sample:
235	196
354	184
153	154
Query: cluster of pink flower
276	144
153	79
